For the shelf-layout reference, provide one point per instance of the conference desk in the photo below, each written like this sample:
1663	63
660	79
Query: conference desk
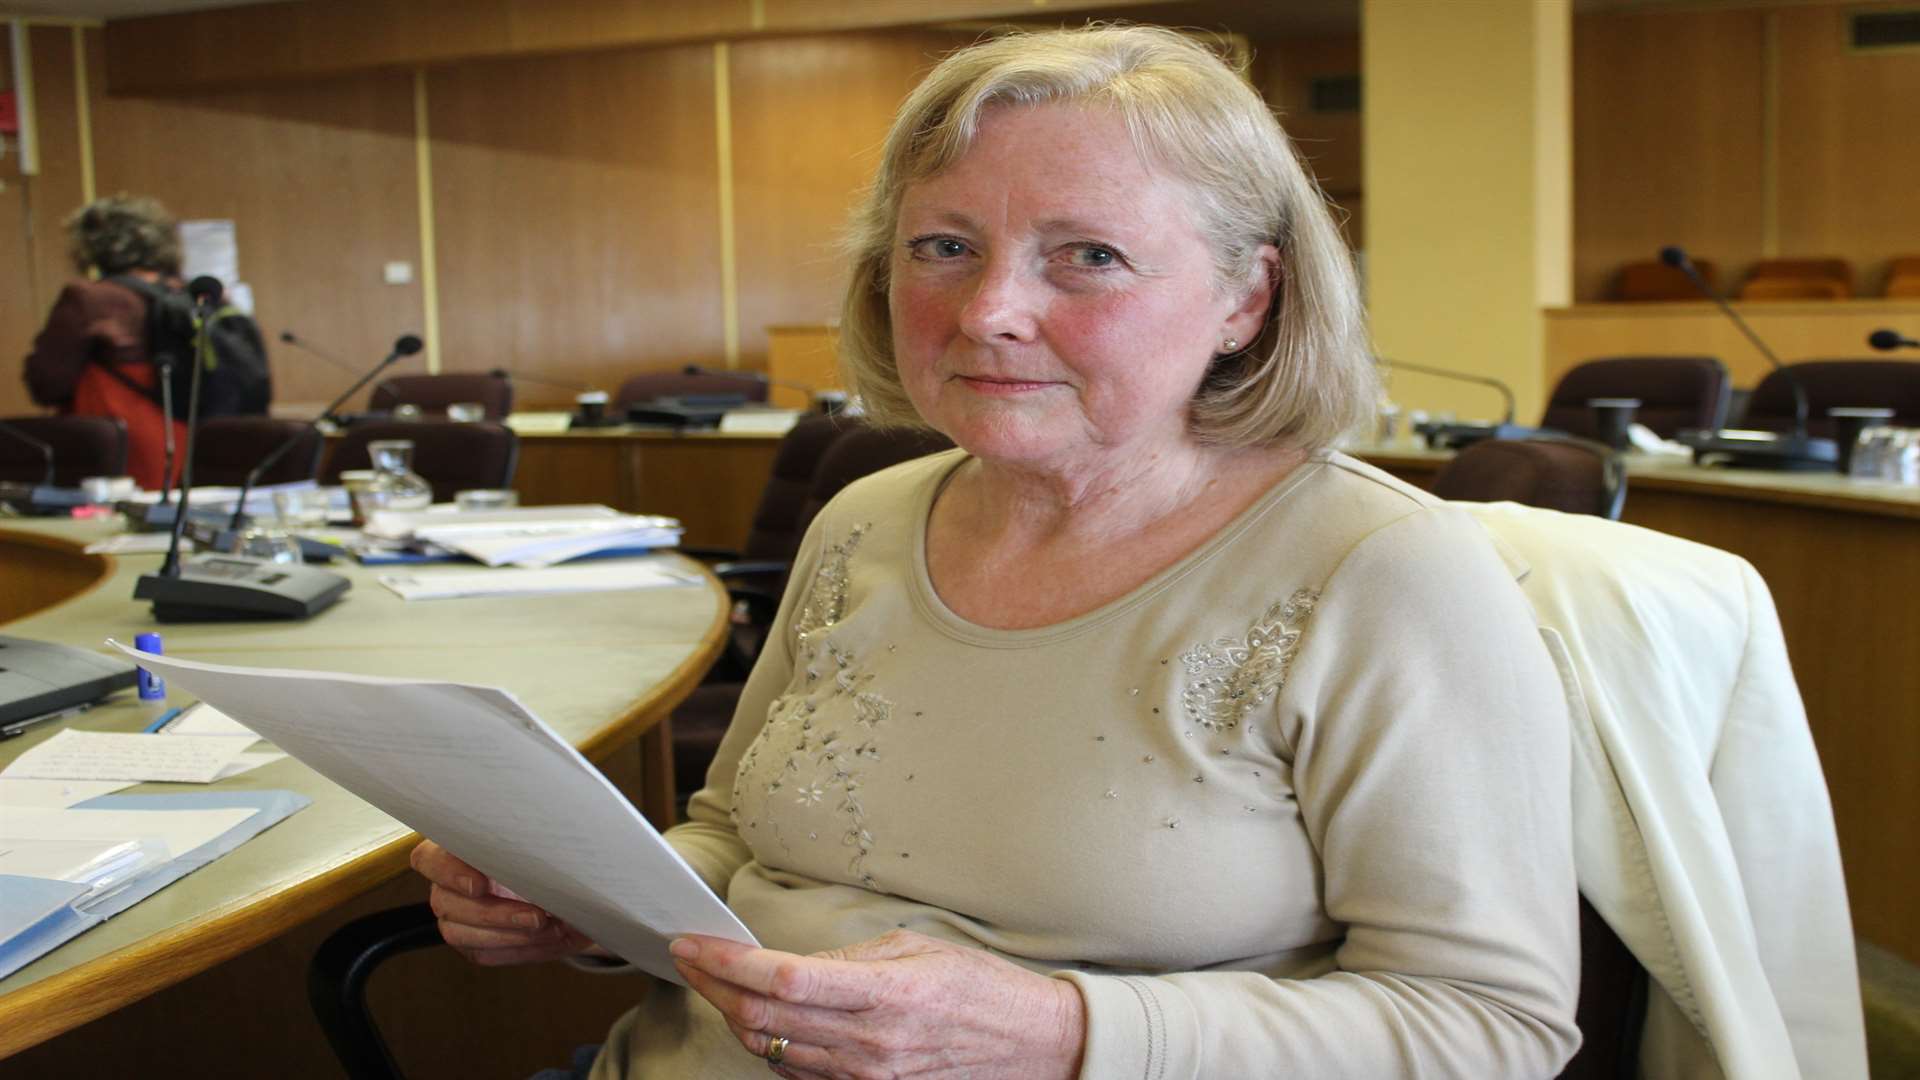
1842	558
603	669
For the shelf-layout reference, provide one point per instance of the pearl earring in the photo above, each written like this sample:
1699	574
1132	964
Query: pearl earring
1230	345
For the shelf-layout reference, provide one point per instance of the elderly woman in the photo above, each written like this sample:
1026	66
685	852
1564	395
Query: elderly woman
91	358
1142	734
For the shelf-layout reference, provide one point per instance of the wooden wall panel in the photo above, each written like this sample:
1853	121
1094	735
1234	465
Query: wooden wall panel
320	181
809	115
1283	72
1668	130
33	246
1848	152
577	216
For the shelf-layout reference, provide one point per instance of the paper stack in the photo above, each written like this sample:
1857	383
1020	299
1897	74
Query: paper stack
535	536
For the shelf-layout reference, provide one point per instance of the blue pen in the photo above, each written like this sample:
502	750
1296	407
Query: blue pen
160	723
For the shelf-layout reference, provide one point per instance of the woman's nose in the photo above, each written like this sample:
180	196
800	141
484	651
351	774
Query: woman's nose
1004	306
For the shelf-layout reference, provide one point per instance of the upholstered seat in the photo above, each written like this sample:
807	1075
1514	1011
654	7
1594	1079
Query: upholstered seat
431	394
82	446
1887	384
1675	392
227	448
453	457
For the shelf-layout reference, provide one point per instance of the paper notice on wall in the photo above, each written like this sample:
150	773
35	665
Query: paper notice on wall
208	247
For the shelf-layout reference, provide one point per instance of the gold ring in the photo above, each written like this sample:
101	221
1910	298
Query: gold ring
777	1050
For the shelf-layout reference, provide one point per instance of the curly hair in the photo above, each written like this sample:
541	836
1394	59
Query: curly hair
1309	376
123	232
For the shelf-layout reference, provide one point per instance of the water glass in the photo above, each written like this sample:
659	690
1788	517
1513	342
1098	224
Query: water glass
301	508
269	545
466	412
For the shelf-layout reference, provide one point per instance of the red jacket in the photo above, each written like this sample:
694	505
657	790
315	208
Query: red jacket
95	324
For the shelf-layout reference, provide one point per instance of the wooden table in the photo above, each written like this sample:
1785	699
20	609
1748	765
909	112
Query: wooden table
1842	558
602	668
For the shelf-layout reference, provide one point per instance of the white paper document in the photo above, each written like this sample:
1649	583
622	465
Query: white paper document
439	583
103	755
131	544
471	768
53	794
204	719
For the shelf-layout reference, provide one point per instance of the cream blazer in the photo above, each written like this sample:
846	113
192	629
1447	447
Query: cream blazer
1703	833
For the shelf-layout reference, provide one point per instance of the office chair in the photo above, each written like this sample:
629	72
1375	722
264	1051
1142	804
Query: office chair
1903	278
226	448
82	446
1675	392
1653	280
1798	279
1577	476
433	393
649	385
1889	384
453	457
829	452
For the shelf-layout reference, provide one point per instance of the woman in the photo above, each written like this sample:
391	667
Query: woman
1141	735
91	358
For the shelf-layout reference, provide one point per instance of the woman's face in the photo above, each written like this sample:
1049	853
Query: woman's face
1053	302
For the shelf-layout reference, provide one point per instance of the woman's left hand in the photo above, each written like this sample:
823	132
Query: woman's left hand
903	1004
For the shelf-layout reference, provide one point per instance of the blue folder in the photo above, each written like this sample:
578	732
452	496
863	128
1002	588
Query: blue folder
23	944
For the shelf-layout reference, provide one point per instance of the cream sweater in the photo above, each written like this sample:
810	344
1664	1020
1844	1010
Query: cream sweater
1296	806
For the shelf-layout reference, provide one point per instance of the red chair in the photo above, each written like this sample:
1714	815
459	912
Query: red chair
1798	279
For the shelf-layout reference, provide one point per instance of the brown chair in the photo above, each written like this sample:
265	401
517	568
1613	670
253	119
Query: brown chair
453	457
1654	280
1798	279
227	448
1577	476
82	446
1675	392
854	450
1903	278
431	394
647	386
1887	384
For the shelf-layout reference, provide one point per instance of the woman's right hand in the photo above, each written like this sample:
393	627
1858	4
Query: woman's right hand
485	926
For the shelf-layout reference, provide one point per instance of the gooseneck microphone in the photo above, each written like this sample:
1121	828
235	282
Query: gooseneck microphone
1889	340
1755	449
310	348
1455	436
405	345
42	445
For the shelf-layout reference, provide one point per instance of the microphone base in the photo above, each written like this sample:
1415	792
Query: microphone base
232	588
39	500
1458	436
1767	450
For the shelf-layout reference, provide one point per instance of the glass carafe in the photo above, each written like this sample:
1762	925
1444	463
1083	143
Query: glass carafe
395	485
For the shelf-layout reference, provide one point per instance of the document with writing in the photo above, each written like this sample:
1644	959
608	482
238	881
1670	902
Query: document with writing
473	769
107	755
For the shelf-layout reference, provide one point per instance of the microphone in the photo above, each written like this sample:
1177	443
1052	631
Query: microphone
749	376
206	291
306	346
1888	340
1455	436
561	384
405	345
1754	449
42	445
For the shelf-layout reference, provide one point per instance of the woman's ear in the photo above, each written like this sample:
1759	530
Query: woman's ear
1264	286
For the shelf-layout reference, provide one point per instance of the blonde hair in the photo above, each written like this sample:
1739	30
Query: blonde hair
1305	380
123	232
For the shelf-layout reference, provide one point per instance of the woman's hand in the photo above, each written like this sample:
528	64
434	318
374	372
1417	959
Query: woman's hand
483	924
900	1005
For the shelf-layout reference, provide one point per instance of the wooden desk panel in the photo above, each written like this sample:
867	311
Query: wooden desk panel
711	482
602	669
1842	560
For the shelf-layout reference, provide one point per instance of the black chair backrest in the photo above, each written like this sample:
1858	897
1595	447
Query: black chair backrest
431	394
1675	392
776	529
453	457
82	446
1573	475
861	450
1887	384
649	385
227	448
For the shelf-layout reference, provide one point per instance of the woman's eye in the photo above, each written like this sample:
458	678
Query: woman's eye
1094	256
937	247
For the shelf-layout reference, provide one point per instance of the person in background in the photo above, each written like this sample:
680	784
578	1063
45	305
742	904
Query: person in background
92	356
1143	734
